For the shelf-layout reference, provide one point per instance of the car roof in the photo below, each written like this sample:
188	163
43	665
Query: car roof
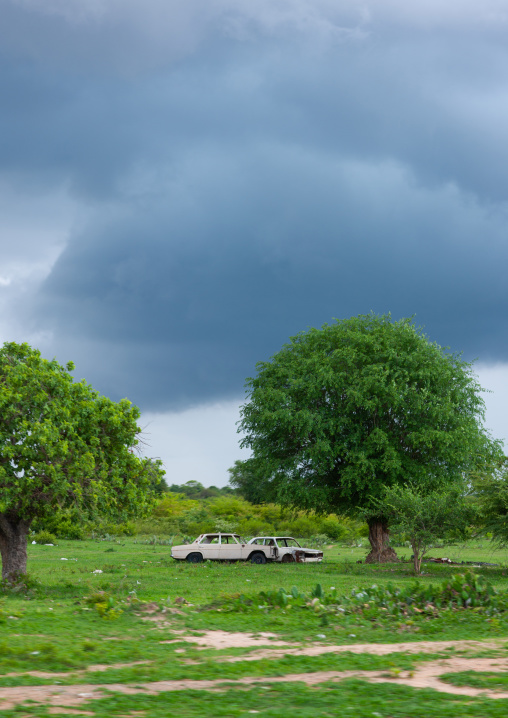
275	537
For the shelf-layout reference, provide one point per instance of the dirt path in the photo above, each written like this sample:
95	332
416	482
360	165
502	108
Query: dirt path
376	649
425	676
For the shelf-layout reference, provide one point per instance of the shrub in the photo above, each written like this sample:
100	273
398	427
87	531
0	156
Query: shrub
43	537
172	505
65	524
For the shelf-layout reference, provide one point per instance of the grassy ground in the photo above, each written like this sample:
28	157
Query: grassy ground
54	628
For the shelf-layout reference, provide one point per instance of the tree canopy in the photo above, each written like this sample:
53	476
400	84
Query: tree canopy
62	444
490	489
341	412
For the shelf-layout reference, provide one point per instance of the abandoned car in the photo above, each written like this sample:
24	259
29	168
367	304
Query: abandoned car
286	549
231	547
221	547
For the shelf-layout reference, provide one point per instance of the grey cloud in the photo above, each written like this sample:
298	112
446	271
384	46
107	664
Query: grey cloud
187	304
264	167
441	110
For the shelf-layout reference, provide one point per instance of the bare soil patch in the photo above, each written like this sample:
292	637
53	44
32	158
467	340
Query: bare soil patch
225	639
97	667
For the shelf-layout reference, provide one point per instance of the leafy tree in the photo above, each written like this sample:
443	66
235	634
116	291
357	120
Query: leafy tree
62	445
155	476
491	492
248	479
362	404
426	518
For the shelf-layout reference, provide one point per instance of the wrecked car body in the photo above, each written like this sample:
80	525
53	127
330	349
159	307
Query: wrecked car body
286	549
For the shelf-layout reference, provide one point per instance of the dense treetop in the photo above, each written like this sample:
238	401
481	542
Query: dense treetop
363	403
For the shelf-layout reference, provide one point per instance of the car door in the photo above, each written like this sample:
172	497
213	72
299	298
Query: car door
210	547
230	548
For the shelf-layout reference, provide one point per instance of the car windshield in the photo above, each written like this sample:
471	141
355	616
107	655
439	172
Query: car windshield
288	542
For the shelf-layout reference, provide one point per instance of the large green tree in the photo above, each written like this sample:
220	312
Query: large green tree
62	444
362	404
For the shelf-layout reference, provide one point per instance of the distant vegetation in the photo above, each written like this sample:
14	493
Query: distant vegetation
190	509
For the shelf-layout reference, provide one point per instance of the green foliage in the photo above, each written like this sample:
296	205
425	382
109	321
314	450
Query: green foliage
195	490
20	584
343	411
425	518
63	524
249	479
175	514
491	491
44	537
462	591
105	605
173	505
64	445
125	528
378	603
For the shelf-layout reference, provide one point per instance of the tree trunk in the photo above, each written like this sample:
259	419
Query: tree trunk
13	538
417	557
379	538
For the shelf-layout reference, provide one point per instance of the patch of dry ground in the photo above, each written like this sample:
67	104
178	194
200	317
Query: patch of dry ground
226	639
425	676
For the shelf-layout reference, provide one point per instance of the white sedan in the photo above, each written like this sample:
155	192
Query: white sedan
222	547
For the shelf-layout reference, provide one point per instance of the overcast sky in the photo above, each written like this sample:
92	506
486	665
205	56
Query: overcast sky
184	185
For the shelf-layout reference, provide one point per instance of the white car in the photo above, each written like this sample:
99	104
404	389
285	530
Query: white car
222	547
286	549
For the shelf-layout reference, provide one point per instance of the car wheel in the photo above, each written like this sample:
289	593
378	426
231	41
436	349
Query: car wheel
288	558
194	558
258	557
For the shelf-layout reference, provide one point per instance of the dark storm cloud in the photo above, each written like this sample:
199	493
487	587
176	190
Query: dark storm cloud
273	165
189	303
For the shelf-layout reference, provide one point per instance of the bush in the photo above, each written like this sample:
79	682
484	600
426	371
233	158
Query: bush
128	528
64	524
43	537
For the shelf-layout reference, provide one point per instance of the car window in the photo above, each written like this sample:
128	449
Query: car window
229	539
210	539
292	542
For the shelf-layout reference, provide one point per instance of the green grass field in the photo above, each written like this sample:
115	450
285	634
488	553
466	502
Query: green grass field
57	631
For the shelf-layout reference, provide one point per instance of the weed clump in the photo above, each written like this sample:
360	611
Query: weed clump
461	592
105	605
